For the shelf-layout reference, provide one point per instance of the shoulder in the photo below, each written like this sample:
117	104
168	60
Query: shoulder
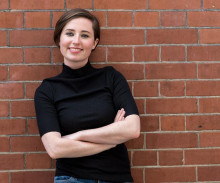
44	90
111	71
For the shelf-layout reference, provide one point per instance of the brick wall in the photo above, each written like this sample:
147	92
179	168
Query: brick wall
168	50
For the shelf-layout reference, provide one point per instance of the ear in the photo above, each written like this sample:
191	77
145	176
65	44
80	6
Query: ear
95	43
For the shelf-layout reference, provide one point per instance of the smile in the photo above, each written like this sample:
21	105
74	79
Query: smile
75	49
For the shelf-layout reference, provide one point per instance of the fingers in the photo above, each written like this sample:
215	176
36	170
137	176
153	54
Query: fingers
120	115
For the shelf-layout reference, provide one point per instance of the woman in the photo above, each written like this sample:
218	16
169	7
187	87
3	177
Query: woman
85	114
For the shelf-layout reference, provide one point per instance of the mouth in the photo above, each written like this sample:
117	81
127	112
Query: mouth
75	50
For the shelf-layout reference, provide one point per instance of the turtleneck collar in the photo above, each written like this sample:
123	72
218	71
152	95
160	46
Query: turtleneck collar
68	72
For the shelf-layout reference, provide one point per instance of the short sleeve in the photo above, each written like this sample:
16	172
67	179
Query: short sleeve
122	96
46	113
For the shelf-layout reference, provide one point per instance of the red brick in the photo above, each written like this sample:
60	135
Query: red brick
11	91
85	4
210	173
209	36
146	19
4	73
35	5
28	72
37	55
33	177
26	144
56	16
3	38
38	161
202	156
11	55
57	56
173	19
172	123
167	158
144	158
171	71
203	53
202	88
122	4
53	163
171	140
11	161
136	143
4	109
4	4
146	89
32	126
31	38
170	4
149	53
5	144
4	177
122	37
209	71
30	89
149	123
12	126
22	108
119	19
130	71
99	55
138	174
101	16
37	20
172	88
172	36
120	54
203	19
129	156
140	105
171	174
207	122
173	53
211	4
11	19
209	105
173	105
209	139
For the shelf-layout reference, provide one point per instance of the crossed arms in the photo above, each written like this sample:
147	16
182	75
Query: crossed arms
92	141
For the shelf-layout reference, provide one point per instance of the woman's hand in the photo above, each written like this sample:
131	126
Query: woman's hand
120	115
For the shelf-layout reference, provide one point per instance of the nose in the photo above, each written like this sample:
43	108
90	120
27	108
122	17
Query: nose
76	39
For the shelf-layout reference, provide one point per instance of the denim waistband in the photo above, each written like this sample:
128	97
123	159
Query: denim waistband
69	179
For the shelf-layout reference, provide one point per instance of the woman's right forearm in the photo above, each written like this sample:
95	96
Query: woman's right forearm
58	147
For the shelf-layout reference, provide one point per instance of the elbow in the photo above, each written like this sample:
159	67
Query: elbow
136	134
53	153
52	144
136	129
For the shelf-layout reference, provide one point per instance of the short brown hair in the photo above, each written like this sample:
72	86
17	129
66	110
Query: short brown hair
72	14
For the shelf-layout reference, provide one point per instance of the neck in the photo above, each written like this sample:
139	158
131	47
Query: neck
76	65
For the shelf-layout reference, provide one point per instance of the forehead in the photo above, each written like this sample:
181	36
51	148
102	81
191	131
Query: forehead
79	24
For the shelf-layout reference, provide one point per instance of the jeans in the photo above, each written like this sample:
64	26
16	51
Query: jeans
68	179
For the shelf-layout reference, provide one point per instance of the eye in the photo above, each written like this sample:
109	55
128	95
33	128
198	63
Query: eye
85	35
69	34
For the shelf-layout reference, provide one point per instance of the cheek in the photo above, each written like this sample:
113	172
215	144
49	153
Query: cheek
89	45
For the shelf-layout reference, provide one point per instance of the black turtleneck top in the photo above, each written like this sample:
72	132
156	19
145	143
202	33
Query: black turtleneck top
81	99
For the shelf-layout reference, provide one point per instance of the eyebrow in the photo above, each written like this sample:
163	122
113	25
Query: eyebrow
81	31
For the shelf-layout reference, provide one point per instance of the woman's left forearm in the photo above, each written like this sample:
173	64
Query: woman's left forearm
114	133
